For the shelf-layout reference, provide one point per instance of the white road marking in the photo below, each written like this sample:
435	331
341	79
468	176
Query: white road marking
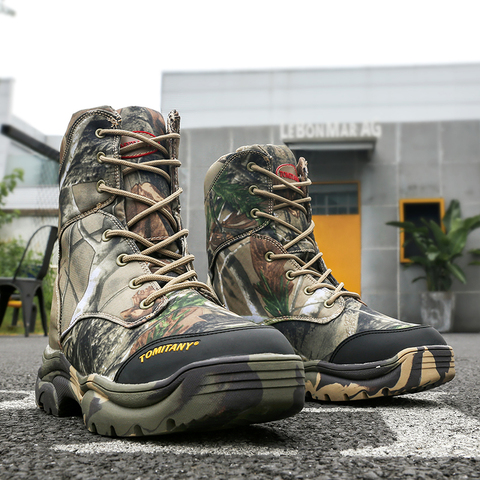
125	446
428	431
23	404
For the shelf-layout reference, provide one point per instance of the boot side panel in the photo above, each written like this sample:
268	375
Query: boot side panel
81	169
90	280
54	326
229	205
250	285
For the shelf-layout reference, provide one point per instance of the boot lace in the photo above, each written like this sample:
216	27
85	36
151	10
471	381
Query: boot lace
167	261
282	202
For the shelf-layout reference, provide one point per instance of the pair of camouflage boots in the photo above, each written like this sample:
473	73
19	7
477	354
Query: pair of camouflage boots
139	346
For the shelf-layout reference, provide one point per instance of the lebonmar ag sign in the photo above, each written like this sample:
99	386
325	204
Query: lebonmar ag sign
331	130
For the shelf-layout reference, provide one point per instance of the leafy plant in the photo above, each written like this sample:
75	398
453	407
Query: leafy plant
7	185
439	248
475	253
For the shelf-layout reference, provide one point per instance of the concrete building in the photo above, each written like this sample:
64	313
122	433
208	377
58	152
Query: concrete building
376	139
22	146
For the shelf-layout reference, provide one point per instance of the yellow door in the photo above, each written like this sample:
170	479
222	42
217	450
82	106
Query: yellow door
336	215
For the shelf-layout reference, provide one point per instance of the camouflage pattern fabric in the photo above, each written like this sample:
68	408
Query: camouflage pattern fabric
240	246
128	304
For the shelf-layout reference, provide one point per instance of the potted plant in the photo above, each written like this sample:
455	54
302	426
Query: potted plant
438	249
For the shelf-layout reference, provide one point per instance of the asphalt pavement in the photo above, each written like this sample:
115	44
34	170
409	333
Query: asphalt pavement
430	435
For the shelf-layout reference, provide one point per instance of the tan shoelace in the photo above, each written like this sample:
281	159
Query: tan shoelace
282	202
185	279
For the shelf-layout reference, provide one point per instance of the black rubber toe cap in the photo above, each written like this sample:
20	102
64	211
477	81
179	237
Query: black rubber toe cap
162	358
376	345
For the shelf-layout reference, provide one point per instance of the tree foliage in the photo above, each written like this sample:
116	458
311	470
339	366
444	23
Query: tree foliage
7	185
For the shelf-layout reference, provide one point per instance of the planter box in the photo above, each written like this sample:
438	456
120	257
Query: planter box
437	310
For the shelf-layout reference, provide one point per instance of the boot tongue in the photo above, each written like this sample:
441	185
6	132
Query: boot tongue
155	227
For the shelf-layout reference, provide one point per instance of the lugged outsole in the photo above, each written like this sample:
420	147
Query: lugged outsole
219	393
412	370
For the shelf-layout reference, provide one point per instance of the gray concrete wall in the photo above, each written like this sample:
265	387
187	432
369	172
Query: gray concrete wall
382	94
411	160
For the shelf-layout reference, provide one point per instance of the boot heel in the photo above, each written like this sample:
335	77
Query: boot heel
56	397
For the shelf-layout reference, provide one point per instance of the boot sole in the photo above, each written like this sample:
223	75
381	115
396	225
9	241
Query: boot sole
219	393
412	370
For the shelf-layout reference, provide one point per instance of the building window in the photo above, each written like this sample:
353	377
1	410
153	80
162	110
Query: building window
334	198
415	210
37	169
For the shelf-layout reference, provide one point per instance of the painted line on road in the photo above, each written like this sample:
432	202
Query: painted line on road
427	432
431	430
23	404
125	446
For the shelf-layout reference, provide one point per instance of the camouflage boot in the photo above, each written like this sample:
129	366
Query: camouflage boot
264	264
137	344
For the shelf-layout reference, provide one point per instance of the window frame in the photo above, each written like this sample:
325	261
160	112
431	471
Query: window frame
409	201
350	182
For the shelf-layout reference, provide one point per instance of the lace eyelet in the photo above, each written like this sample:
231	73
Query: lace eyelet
250	165
120	261
145	306
253	212
105	237
307	291
251	189
98	134
133	285
289	276
100	154
268	256
100	183
328	305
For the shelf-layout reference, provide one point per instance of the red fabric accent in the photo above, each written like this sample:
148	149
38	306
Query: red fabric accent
288	175
137	141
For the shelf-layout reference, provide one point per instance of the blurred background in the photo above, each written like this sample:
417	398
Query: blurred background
381	98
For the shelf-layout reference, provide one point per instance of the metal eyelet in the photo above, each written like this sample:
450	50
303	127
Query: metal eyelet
306	291
251	189
250	165
120	261
289	276
145	306
268	256
100	183
328	305
98	134
253	212
133	285
105	237
100	154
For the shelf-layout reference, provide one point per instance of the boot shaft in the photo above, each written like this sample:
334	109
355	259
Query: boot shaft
234	195
100	194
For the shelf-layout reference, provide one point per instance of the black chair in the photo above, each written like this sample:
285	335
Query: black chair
28	278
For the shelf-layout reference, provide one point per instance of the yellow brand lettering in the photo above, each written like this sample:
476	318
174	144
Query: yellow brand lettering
170	347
